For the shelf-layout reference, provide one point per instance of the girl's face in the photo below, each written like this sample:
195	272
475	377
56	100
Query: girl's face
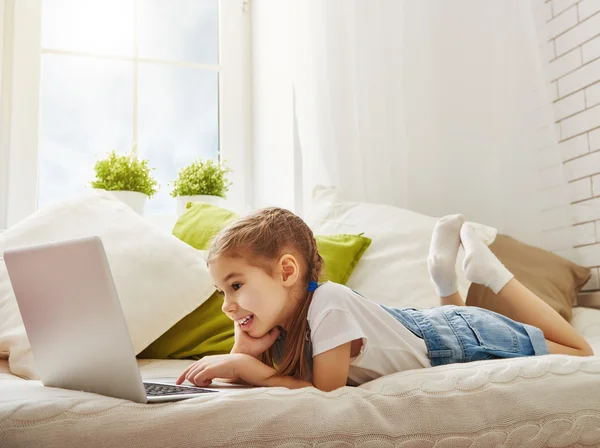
252	297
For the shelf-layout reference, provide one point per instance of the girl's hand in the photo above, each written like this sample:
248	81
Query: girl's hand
250	369
203	371
246	344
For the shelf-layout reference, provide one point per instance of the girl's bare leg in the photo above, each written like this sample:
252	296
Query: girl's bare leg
482	266
454	299
528	308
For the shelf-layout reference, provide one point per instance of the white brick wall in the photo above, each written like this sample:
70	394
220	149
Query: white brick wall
590	50
581	189
594	140
592	95
585	234
583	76
574	147
573	30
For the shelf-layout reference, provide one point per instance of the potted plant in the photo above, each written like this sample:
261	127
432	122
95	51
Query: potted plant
127	178
202	181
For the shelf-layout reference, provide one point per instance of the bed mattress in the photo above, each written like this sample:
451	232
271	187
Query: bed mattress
551	400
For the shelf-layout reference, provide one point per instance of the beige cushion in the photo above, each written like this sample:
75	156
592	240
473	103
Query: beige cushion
554	279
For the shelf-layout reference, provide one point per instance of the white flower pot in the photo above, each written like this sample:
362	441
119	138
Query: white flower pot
134	199
183	200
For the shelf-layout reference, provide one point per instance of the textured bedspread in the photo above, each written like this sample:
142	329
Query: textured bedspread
542	401
521	402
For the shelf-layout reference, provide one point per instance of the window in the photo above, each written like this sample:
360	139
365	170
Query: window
90	76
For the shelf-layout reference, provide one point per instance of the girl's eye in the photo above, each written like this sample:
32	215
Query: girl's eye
236	286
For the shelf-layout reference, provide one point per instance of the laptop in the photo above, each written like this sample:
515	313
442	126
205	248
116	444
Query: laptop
75	323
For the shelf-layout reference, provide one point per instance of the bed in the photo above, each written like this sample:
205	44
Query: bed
551	400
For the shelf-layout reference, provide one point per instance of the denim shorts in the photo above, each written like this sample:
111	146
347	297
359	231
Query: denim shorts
466	333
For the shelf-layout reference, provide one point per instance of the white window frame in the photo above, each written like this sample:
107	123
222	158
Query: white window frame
20	105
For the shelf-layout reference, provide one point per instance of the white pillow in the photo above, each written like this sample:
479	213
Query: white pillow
393	271
159	278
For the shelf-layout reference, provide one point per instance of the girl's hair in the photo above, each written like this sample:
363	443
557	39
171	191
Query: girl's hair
262	237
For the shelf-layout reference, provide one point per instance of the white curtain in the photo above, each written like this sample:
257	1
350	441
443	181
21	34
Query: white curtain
432	105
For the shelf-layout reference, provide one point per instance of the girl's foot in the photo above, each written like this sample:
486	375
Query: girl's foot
481	265
443	250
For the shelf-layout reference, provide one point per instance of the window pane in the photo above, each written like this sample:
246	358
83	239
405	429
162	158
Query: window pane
182	30
178	122
90	26
86	111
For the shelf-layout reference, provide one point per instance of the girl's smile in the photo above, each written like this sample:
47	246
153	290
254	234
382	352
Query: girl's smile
246	322
257	301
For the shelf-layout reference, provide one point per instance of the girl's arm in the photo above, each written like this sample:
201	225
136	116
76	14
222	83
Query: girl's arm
330	371
330	368
256	373
244	343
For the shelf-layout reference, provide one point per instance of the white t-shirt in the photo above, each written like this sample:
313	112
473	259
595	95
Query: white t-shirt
338	315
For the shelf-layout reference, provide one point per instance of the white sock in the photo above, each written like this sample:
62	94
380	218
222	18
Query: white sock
441	261
481	265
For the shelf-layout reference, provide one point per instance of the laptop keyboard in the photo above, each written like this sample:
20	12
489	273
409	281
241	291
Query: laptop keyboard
154	389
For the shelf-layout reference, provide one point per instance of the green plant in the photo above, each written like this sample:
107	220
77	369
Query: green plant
127	172
202	178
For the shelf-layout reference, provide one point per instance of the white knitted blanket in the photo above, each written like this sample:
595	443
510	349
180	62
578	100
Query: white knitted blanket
550	400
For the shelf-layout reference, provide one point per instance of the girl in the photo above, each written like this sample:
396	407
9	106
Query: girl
292	332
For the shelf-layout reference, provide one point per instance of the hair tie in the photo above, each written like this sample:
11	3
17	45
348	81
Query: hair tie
312	286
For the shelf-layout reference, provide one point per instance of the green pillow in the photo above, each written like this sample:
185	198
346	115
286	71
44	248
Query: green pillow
207	330
341	254
200	223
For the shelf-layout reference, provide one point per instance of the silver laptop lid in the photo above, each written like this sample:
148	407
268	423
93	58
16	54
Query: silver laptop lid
73	318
